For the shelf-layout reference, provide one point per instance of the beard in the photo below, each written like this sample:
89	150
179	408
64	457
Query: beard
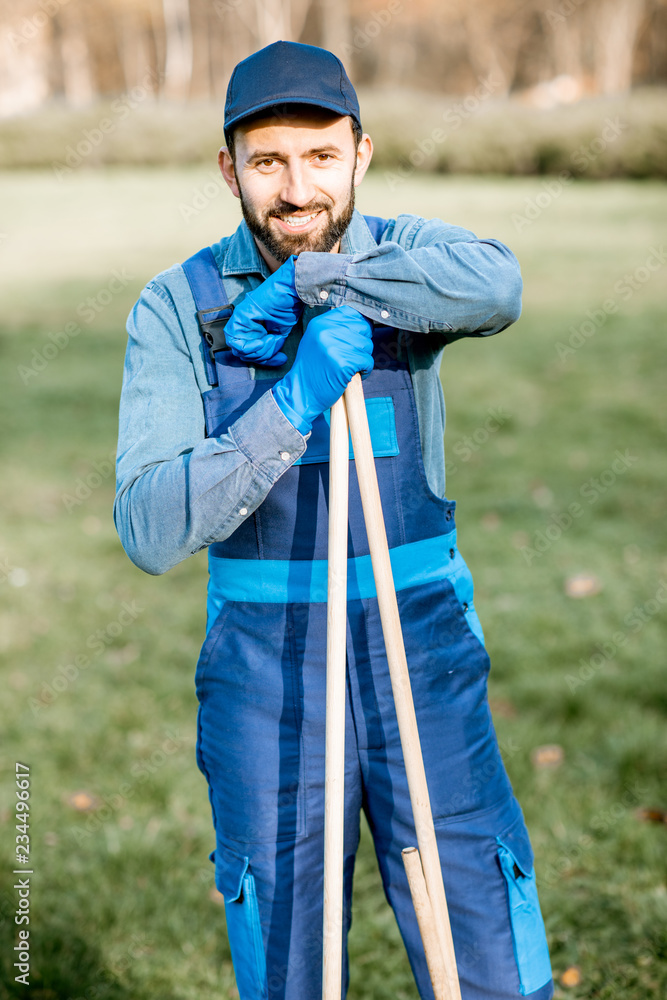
282	245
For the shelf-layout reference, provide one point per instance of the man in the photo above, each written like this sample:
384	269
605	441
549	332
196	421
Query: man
224	443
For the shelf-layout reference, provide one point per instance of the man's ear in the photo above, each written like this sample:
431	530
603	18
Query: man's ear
364	154
226	165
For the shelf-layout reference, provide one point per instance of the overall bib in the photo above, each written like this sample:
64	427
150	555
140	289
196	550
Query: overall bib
260	683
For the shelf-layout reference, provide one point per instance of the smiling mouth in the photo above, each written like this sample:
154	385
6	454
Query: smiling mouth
297	223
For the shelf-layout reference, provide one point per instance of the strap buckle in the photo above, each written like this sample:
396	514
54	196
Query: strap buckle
212	324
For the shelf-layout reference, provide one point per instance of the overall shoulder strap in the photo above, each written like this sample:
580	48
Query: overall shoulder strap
213	308
377	226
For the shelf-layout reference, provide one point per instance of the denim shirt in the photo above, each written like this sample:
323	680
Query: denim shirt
177	490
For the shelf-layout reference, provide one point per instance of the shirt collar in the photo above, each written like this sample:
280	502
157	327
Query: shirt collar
358	236
243	257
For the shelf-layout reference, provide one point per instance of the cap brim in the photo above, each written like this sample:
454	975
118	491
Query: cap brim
267	105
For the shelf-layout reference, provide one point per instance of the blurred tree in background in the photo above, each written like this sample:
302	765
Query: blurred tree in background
552	51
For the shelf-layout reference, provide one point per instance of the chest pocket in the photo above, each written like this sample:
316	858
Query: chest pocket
382	425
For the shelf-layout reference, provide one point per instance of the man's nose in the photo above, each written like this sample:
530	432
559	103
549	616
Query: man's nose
297	188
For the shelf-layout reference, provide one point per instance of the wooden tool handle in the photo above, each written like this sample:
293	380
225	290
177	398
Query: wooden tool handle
400	678
334	791
426	921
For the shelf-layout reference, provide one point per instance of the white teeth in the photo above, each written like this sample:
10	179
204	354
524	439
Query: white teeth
298	220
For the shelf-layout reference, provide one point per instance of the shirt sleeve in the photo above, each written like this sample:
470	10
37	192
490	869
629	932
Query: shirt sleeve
425	276
178	491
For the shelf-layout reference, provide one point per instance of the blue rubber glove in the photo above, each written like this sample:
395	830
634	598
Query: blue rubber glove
259	326
334	347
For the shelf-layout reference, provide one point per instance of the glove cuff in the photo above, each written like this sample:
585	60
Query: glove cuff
284	401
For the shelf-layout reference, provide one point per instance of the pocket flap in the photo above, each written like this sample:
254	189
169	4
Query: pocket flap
381	423
518	845
528	936
229	871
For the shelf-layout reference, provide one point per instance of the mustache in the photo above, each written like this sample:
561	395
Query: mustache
284	208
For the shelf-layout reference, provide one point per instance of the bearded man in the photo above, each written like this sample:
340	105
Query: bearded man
234	359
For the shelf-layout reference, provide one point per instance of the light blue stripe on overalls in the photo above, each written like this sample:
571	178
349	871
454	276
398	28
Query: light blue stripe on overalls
287	581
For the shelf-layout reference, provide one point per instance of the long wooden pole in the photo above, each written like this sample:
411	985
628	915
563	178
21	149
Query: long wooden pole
400	678
334	779
425	920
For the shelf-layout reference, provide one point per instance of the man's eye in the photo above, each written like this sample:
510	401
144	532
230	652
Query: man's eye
266	163
323	157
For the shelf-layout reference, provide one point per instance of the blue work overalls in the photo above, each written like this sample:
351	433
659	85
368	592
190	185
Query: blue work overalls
260	682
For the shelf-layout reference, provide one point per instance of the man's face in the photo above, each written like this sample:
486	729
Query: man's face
296	179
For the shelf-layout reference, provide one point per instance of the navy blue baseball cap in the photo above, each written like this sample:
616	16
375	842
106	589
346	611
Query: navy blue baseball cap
286	73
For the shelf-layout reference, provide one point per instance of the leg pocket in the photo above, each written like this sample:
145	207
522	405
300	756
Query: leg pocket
531	952
237	884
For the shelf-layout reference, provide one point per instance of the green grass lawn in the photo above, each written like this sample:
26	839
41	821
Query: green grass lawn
562	416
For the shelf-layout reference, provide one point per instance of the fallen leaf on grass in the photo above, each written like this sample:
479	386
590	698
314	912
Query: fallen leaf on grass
571	976
652	815
549	755
582	585
82	801
503	708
